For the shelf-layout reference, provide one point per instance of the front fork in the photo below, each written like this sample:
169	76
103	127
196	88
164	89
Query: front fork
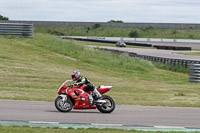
64	97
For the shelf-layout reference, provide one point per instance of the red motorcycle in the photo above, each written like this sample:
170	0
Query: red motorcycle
77	98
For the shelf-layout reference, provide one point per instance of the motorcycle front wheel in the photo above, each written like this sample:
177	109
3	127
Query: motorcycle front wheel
63	106
107	107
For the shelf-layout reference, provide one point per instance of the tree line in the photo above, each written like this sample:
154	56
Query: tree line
3	18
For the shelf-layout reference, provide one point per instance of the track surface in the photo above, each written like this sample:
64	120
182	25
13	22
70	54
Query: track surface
19	110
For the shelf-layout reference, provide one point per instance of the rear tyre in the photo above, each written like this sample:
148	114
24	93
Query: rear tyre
107	107
63	106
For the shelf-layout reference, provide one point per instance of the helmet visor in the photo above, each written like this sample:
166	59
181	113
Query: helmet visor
73	77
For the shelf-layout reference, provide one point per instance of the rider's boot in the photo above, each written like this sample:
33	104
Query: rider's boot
96	94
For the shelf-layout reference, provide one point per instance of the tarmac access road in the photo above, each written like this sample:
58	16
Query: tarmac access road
20	110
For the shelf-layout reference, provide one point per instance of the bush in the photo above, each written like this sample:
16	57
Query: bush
149	28
55	32
133	34
96	25
174	32
191	37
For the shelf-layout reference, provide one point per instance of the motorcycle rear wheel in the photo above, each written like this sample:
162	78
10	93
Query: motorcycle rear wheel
63	106
107	107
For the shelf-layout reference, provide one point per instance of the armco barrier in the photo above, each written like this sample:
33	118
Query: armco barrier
175	62
194	72
172	47
16	29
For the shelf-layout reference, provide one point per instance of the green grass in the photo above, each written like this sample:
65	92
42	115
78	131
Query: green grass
120	32
27	129
34	68
190	53
173	68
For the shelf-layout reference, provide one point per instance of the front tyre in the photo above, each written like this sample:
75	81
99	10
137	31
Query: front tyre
107	107
63	106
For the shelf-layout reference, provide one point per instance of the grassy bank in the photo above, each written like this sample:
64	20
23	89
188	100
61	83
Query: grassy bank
33	69
120	32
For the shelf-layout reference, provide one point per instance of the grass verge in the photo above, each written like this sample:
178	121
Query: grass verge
27	129
190	53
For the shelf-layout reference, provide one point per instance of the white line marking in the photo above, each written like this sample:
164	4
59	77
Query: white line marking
169	127
97	124
43	122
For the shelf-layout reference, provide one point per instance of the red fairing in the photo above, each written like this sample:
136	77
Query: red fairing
81	100
62	89
104	89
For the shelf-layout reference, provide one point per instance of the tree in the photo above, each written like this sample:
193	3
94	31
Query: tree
115	21
3	18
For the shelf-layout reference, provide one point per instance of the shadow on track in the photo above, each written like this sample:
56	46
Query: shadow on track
75	111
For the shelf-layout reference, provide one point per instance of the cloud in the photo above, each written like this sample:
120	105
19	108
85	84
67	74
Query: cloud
102	10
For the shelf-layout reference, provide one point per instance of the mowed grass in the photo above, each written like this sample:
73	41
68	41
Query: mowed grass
34	68
27	129
190	53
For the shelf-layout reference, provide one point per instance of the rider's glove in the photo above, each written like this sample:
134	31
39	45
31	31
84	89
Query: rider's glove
75	84
71	86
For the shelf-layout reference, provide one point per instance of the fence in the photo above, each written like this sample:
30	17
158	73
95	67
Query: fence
194	72
144	30
111	24
16	29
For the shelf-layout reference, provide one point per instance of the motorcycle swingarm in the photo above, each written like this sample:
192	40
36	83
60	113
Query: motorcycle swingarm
100	101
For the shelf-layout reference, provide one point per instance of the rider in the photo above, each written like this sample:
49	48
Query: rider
80	80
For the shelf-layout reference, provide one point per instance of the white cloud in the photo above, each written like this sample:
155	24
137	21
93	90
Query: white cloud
102	10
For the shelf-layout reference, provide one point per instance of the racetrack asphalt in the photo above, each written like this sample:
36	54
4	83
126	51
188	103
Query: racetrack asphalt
20	110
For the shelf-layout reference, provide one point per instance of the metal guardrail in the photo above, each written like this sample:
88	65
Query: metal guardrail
175	62
172	47
194	72
16	29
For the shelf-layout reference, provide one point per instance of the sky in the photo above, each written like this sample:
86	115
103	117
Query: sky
150	11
